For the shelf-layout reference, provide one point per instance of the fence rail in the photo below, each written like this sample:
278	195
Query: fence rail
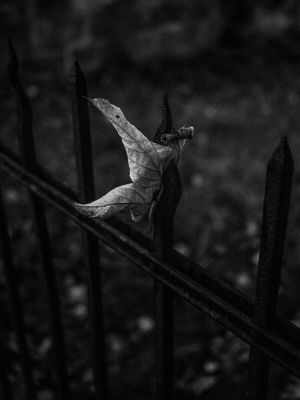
255	322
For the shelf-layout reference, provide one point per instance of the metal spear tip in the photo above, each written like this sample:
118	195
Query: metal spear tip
282	156
76	76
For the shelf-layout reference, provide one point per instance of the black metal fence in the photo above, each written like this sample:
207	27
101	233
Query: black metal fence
255	322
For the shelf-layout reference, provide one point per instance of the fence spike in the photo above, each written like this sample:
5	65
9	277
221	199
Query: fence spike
274	223
163	219
166	121
84	161
276	205
27	148
82	135
282	156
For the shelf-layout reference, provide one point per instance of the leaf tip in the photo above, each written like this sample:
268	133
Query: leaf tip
83	209
77	206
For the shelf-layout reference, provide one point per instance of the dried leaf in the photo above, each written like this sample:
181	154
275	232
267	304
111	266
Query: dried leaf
147	161
128	197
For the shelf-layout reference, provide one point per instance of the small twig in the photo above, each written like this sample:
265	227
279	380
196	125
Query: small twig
186	132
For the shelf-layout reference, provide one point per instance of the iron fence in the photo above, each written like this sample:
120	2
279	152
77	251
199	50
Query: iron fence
255	322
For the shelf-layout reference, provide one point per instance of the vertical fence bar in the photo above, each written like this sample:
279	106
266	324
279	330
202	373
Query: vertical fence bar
27	147
84	160
275	214
16	304
4	374
5	384
163	218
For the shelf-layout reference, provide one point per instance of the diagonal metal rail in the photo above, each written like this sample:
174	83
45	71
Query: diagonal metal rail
279	341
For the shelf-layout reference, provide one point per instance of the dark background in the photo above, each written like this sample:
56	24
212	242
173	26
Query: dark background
231	69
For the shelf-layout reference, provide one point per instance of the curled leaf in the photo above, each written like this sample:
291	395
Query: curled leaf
147	161
128	197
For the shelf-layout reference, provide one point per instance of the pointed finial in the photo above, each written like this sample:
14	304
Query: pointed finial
282	157
76	76
166	122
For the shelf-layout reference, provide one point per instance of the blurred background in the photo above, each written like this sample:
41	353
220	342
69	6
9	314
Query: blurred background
231	69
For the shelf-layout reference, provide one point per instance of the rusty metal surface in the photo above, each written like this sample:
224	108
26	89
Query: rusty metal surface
163	220
274	223
27	148
84	161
